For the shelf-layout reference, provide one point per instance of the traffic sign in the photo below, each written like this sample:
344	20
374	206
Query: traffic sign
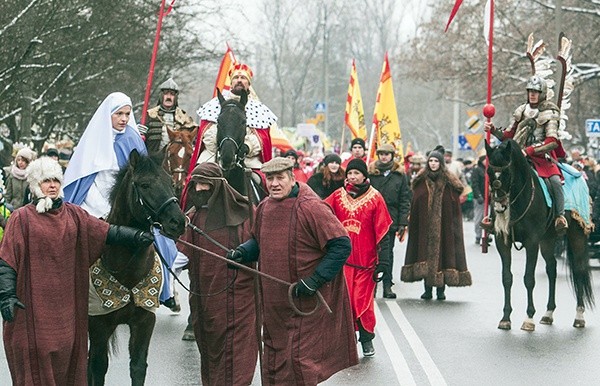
320	107
463	144
592	127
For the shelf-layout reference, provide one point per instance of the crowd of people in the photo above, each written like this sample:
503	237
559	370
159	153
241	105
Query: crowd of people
328	227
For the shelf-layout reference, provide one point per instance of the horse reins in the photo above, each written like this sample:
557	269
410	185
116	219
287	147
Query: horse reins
291	286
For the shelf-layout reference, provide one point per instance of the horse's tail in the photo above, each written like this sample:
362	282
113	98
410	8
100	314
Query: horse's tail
579	271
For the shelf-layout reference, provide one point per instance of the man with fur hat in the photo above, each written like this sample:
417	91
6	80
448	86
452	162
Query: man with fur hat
259	117
358	149
388	177
363	213
45	256
297	238
435	251
224	324
166	116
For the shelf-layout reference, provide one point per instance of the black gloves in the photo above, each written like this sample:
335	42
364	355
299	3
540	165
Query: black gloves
236	255
378	274
8	292
309	285
128	236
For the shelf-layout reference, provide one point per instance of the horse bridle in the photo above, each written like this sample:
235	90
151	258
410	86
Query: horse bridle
496	186
152	215
239	158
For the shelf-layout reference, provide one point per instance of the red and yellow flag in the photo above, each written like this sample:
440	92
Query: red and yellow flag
355	114
223	80
386	126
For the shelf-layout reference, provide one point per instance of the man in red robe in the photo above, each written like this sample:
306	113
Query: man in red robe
225	323
45	257
297	238
363	212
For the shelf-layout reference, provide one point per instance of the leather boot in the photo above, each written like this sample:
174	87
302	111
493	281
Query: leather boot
427	294
561	225
440	292
387	291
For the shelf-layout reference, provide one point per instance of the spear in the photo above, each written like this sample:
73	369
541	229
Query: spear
161	14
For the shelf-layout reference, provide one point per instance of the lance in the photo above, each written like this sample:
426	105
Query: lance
488	112
161	14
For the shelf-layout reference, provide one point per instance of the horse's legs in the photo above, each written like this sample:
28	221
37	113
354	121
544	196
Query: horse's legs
141	327
579	270
99	335
507	281
529	280
547	247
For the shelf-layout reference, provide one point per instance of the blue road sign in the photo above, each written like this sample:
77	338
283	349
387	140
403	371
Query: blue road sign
320	107
463	144
592	127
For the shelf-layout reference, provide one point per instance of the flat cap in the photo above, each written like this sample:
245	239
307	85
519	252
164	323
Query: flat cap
276	165
386	148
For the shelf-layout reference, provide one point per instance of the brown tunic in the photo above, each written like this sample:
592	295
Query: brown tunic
292	234
224	324
47	343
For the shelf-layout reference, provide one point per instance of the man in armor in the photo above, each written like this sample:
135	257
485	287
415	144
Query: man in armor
534	126
166	115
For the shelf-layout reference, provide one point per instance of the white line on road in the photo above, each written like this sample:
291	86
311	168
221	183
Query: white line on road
433	373
399	364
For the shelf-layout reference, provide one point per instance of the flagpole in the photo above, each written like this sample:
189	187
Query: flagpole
153	61
488	111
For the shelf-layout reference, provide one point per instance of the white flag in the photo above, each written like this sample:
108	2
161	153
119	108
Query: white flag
486	22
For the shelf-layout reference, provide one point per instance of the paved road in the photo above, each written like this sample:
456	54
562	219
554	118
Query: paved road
454	342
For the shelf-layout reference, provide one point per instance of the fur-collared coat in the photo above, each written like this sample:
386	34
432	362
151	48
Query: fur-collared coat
395	190
436	250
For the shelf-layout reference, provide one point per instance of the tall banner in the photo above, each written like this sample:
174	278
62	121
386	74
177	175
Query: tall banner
355	114
223	81
386	126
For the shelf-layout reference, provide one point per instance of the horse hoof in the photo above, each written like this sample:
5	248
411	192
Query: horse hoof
579	323
547	320
504	325
528	326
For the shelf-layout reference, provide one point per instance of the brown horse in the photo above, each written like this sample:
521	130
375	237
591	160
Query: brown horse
178	153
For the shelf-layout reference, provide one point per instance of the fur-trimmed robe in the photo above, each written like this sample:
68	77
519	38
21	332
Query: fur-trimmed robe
436	250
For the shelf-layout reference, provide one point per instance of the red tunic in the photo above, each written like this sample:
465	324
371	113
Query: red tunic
292	234
224	324
47	343
367	220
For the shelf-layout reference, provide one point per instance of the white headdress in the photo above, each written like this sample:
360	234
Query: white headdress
38	171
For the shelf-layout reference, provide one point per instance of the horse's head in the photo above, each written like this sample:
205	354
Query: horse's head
177	156
143	196
503	162
231	131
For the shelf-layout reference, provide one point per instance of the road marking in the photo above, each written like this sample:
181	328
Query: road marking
433	373
399	364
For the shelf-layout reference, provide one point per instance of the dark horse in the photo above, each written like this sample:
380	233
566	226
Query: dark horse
142	197
231	149
177	155
521	215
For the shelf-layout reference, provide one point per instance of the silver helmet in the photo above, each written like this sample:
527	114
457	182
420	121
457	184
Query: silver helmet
537	83
169	84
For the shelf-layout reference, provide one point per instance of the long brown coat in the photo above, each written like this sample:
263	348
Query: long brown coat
436	250
301	350
224	324
47	342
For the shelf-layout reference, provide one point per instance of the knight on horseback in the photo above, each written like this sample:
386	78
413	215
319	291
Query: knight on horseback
259	117
166	115
534	126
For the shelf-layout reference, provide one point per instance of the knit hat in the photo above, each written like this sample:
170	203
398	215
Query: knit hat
52	152
38	171
437	153
27	153
358	141
357	164
330	158
292	153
